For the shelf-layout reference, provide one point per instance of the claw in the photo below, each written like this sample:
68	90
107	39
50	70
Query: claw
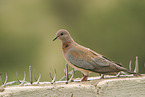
130	65
136	65
30	72
5	83
37	81
53	79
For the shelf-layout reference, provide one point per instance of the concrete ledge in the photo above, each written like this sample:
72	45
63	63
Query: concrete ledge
117	87
126	87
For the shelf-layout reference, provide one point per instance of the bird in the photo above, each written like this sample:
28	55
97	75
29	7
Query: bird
85	59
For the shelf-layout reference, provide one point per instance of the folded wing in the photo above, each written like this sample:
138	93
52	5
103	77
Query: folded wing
86	59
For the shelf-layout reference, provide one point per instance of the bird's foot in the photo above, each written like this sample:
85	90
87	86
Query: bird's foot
118	75
102	76
84	78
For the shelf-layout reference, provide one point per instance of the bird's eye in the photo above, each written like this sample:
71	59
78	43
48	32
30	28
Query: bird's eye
61	34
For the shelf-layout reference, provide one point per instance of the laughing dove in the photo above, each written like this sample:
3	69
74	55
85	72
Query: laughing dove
86	60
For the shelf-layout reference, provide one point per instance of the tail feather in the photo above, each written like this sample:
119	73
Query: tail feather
131	72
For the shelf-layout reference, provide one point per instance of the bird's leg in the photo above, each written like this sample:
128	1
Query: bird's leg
84	78
101	76
118	74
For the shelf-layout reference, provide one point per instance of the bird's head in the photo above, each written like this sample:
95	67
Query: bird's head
62	35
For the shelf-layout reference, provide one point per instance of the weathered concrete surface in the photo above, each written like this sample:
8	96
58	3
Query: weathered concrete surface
78	90
117	87
126	87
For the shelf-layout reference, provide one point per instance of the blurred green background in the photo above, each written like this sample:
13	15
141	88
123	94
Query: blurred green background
114	28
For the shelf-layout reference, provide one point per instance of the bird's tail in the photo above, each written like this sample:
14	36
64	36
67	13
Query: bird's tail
131	72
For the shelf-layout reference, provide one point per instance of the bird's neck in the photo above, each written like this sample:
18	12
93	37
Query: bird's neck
67	43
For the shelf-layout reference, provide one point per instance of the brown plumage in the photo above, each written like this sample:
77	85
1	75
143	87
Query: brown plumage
86	60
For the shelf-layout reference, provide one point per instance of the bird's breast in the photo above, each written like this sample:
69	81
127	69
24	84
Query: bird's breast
76	55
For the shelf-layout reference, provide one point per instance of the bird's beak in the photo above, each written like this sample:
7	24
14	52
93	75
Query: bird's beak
55	38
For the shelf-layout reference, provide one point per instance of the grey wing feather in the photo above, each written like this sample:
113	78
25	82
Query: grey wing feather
101	61
80	63
88	62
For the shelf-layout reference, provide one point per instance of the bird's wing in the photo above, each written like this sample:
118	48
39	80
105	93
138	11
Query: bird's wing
102	60
86	59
